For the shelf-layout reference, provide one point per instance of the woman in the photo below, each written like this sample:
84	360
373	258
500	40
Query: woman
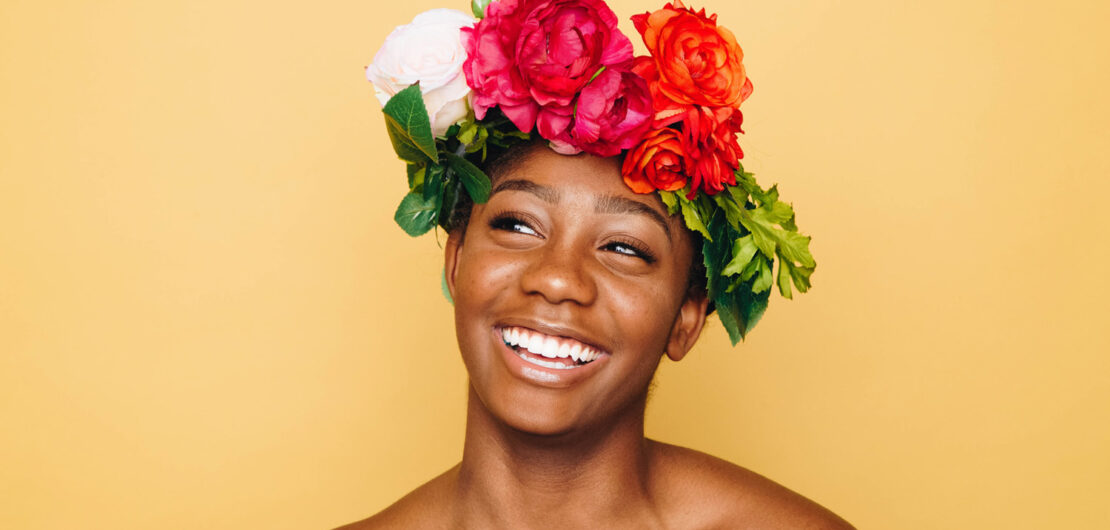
569	286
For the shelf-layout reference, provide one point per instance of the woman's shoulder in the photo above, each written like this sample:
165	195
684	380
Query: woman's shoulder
721	494
425	507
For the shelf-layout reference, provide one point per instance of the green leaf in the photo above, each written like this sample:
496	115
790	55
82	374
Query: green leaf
468	131
505	135
476	182
478	7
743	250
729	313
409	128
761	223
784	280
752	307
773	213
433	181
670	201
739	194
789	225
693	218
731	208
772	195
479	143
762	234
765	279
746	181
801	275
795	247
751	268
415	215
740	311
798	274
402	144
446	202
715	253
416	175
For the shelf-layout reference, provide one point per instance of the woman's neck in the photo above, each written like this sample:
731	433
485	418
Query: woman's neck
513	479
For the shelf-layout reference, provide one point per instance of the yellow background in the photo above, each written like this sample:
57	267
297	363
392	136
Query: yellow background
209	320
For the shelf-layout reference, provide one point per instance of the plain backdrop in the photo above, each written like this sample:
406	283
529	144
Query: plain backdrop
208	318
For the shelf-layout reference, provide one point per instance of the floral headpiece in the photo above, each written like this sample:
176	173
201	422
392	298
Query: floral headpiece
453	88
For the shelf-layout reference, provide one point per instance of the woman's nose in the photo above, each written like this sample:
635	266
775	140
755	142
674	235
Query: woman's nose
560	274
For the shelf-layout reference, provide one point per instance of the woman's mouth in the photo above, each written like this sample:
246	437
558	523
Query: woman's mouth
548	351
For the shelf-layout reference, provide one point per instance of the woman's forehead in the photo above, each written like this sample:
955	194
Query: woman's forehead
570	176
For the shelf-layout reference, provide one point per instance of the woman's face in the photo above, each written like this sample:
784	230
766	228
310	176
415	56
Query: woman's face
568	288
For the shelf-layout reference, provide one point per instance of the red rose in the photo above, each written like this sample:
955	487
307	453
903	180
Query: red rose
710	141
657	163
693	61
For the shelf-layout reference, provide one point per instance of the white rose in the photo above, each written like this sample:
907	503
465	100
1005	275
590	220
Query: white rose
428	50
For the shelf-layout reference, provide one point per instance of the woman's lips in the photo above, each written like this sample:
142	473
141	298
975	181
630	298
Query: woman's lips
549	360
548	346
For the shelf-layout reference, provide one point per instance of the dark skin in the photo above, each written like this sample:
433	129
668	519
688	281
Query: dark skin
565	249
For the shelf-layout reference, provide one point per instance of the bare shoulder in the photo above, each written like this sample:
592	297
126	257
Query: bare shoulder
703	491
426	507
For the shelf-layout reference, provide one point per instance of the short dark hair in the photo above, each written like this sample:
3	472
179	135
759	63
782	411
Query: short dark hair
498	162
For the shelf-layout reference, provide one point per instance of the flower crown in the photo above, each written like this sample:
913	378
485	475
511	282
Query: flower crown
453	88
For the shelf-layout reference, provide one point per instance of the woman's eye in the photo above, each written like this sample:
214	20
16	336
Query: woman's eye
512	224
629	249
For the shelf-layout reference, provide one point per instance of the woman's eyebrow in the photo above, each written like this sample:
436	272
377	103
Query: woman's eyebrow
549	195
612	204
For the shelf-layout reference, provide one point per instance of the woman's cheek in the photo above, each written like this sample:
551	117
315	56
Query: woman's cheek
648	312
489	271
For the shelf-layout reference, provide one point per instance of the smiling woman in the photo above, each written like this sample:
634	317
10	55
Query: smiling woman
615	217
569	288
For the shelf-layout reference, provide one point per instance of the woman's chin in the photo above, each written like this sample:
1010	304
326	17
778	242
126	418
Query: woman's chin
542	426
538	416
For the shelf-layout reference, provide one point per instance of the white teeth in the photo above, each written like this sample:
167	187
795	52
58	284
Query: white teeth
547	346
550	348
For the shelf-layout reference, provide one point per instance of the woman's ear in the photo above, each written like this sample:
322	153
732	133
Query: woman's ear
687	325
451	259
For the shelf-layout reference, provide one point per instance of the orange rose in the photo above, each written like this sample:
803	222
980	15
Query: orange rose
693	61
657	163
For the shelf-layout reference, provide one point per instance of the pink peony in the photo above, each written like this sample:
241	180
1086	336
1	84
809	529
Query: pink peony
490	67
564	43
611	114
532	54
